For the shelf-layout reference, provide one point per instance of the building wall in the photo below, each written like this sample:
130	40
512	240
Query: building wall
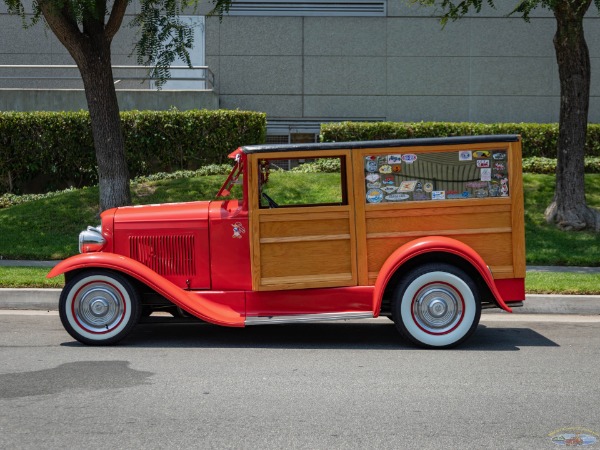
403	67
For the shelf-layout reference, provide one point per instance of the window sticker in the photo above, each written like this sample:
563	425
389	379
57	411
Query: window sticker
486	174
374	195
456	175
409	158
465	155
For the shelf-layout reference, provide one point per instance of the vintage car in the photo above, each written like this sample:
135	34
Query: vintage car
424	231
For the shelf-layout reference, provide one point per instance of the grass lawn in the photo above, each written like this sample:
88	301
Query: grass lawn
48	228
535	283
547	245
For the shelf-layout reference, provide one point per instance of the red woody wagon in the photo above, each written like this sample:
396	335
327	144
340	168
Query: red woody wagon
424	231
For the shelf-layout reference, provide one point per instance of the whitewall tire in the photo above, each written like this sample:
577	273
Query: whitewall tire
436	305
99	307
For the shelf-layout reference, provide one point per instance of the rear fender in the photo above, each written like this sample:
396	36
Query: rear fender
433	244
193	302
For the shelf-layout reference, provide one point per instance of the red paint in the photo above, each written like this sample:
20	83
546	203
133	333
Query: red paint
172	239
429	245
200	304
309	301
229	255
511	289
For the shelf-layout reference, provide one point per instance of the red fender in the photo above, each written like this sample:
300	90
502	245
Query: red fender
194	302
428	245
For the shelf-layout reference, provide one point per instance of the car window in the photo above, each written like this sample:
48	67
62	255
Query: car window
302	182
436	176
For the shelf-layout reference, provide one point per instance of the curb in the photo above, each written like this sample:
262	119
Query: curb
47	300
33	299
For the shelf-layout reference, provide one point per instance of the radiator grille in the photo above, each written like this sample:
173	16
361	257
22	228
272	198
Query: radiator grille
166	255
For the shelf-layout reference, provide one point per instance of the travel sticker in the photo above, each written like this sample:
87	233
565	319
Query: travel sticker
486	175
394	159
407	186
428	187
389	189
370	165
499	156
438	195
483	163
396	197
376	185
504	187
481	154
385	169
238	230
420	196
499	166
372	177
374	195
389	180
465	155
396	168
409	158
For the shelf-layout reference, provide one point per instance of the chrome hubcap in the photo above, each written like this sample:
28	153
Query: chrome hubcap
99	307
438	308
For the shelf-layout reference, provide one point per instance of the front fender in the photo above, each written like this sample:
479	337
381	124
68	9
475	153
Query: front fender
205	309
428	245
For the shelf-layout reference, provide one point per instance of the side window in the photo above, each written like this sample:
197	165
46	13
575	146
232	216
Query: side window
436	176
302	182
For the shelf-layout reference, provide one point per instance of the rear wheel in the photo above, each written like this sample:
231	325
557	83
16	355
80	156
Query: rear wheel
99	307
436	305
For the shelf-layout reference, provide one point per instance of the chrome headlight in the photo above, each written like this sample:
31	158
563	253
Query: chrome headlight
91	240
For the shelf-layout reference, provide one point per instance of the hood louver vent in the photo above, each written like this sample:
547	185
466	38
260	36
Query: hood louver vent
166	255
307	8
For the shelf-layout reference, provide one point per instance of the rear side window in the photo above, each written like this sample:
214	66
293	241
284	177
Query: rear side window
464	174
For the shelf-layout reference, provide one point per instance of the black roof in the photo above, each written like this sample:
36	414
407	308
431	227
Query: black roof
454	140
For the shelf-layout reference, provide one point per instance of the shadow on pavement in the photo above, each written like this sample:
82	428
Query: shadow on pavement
344	336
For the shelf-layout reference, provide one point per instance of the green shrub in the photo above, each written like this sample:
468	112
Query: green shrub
41	151
538	164
538	139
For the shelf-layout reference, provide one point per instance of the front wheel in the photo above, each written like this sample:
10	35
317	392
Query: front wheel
99	307
436	306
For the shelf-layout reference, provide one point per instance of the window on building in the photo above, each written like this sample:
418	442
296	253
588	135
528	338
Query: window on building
308	8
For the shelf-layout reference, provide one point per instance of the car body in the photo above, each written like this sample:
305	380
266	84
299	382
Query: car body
425	231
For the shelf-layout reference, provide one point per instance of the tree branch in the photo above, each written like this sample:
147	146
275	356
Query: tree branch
62	23
116	18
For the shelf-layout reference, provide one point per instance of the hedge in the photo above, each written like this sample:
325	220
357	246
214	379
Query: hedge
538	139
42	151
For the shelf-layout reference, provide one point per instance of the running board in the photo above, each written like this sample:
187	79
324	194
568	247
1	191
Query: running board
305	318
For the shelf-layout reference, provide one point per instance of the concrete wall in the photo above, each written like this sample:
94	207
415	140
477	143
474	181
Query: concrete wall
484	68
72	100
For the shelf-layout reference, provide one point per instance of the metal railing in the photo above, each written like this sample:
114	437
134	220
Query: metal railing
126	77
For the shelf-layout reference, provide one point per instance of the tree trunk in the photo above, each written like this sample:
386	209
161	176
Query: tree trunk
89	43
568	209
113	174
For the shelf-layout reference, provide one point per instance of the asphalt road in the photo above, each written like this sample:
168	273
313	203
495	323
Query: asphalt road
515	384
